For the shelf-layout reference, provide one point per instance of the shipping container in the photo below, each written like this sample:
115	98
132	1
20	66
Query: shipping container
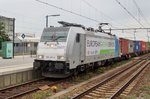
130	46
143	46
148	45
124	46
137	46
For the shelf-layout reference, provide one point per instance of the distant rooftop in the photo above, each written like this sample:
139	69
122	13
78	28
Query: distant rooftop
3	17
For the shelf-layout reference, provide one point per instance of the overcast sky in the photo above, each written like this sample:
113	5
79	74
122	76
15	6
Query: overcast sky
30	14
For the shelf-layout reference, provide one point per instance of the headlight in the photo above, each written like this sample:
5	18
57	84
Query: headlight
40	56
52	45
60	57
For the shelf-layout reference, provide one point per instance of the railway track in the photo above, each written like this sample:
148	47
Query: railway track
26	88
114	85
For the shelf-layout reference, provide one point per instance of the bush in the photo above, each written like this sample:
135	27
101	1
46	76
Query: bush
0	52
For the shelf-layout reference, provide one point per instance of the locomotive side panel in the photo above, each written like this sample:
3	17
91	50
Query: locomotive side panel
75	47
99	48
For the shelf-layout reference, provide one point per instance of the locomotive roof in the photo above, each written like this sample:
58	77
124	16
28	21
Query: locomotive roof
56	29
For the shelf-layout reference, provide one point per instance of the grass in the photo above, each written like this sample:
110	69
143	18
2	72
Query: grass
146	88
130	97
145	92
142	90
41	94
0	52
142	96
146	96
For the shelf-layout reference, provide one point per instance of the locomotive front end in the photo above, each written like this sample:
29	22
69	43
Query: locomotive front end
51	52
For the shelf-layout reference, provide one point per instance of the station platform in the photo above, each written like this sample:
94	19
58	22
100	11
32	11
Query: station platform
21	56
17	60
17	71
15	68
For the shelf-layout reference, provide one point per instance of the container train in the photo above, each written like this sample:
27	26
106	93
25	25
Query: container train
72	48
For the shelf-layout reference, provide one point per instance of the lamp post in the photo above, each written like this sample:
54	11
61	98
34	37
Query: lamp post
13	35
134	35
148	39
50	16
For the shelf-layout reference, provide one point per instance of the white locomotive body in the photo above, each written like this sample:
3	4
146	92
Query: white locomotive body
67	50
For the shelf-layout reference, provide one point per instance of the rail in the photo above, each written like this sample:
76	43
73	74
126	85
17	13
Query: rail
109	79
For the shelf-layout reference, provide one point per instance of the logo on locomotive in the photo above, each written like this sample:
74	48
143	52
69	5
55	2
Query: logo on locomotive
100	46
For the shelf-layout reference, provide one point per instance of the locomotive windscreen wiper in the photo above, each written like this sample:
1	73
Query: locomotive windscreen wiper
59	37
56	39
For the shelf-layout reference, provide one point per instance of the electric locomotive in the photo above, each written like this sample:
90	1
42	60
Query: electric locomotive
72	48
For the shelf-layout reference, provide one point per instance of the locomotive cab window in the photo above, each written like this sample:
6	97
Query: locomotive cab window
54	35
78	38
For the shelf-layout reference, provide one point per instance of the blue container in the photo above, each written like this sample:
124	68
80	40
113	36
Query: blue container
137	46
117	47
7	49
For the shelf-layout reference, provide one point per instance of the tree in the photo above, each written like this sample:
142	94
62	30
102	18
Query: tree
3	35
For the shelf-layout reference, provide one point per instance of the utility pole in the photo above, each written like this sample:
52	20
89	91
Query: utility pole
13	35
50	16
47	21
127	29
148	39
147	35
134	35
110	30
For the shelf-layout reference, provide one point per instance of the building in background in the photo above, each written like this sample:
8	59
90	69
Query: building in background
26	45
8	22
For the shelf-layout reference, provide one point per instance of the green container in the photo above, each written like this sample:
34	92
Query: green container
7	50
148	45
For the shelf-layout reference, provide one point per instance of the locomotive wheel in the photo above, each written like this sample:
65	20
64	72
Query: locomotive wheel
75	72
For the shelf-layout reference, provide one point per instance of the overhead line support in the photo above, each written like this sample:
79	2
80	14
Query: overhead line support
128	29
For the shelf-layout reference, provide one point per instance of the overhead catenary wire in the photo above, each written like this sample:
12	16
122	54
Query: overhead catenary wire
128	29
137	9
25	20
140	12
67	11
130	13
22	15
90	5
134	33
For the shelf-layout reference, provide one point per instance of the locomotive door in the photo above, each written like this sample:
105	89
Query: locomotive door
82	47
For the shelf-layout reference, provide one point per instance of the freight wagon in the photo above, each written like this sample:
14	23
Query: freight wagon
137	47
143	47
148	46
131	48
124	48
